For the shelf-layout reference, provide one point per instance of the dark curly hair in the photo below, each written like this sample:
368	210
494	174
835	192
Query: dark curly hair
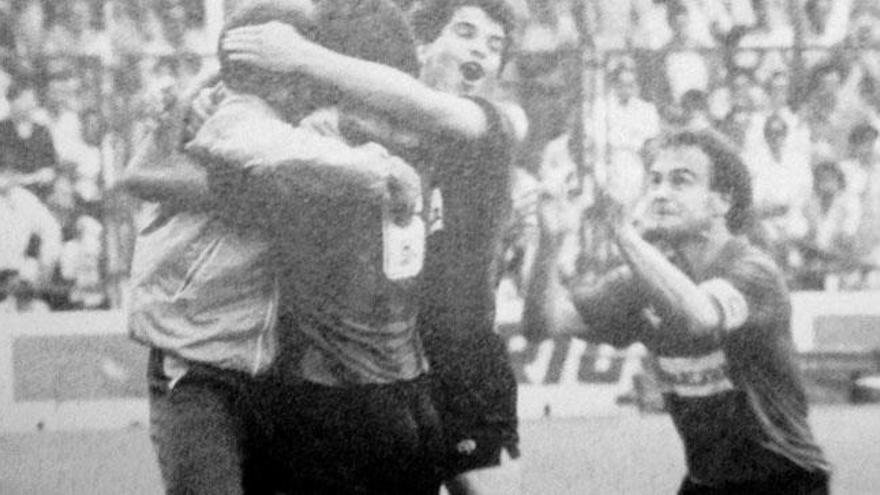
430	17
373	30
729	174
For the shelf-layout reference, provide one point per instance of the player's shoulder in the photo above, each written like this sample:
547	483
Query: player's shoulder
503	117
743	259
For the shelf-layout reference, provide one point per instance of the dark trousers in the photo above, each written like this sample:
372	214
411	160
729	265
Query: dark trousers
224	432
798	482
206	432
365	439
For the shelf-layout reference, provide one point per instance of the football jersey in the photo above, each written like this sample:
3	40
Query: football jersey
468	201
351	276
735	396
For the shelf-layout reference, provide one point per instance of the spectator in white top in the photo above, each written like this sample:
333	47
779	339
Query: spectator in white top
630	122
826	22
23	217
81	264
833	107
781	184
685	67
777	103
830	221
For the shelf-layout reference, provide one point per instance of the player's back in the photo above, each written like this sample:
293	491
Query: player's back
351	277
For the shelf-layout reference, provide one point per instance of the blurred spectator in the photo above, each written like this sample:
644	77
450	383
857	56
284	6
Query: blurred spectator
80	265
773	25
861	158
685	66
735	125
629	121
71	31
781	184
832	107
24	218
28	151
830	222
825	24
777	104
559	173
81	160
651	30
694	113
864	170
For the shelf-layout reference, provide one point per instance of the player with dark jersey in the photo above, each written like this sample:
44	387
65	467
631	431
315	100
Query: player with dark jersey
463	144
473	380
713	311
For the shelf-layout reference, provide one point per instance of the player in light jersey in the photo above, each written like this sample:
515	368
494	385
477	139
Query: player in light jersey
462	144
342	407
713	310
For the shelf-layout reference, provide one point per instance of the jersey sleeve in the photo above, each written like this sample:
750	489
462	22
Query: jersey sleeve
268	166
750	293
494	147
613	308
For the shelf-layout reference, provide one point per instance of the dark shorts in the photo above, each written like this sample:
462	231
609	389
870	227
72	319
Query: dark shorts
796	482
206	432
475	391
366	439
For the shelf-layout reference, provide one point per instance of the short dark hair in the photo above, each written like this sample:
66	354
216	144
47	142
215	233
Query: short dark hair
373	30
862	133
775	123
695	99
430	17
247	78
829	166
729	175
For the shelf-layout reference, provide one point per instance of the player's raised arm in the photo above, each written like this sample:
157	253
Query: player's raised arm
160	171
666	286
279	47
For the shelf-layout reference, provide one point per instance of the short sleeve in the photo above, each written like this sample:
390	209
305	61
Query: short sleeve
750	293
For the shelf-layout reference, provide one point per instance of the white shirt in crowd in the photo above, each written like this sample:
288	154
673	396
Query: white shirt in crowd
22	216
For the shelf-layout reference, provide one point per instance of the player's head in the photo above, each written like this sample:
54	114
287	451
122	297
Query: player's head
374	30
463	44
696	183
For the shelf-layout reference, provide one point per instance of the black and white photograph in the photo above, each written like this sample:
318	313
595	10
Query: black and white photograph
439	247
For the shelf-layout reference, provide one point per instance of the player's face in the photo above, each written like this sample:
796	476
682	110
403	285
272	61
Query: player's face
466	55
680	203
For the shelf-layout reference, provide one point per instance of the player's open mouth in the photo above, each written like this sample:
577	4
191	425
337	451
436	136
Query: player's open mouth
472	71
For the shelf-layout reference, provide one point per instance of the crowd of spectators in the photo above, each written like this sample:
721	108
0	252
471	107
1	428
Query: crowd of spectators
793	84
79	77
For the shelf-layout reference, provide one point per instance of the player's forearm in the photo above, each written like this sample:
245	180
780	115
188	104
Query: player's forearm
666	285
398	94
159	173
548	308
